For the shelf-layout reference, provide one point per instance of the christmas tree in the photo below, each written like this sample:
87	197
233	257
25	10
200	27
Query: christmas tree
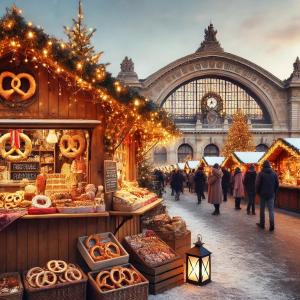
239	137
79	37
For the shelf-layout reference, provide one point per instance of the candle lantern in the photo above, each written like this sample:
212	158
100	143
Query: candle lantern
198	264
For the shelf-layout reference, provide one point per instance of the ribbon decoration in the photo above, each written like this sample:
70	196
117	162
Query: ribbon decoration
15	138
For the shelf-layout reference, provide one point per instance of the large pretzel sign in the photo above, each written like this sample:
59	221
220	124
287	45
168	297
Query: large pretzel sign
14	154
72	146
16	86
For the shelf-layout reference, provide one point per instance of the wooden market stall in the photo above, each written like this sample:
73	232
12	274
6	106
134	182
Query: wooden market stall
242	160
65	128
192	165
284	156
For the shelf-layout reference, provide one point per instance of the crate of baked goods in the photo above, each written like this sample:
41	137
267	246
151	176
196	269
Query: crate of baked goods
11	287
119	282
102	250
56	280
173	231
157	261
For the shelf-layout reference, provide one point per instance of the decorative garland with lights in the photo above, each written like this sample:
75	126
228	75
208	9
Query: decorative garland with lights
127	113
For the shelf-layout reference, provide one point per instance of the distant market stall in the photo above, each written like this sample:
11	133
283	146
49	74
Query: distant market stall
284	156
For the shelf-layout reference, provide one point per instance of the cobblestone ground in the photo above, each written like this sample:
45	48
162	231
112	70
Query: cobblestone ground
247	262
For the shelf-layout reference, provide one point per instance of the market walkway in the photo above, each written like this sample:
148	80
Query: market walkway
247	263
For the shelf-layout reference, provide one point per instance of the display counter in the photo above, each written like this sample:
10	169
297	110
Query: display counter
288	198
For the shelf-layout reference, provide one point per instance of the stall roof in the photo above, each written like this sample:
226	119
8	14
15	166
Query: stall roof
248	157
181	166
294	142
211	160
193	164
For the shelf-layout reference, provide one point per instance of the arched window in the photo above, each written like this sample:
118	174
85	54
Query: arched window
185	102
262	148
185	152
160	155
211	150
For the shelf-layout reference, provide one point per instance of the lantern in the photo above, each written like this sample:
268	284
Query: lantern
198	264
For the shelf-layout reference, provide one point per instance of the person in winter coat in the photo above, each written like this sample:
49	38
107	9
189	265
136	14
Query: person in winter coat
266	187
238	187
225	183
171	182
215	196
249	183
191	181
178	181
199	182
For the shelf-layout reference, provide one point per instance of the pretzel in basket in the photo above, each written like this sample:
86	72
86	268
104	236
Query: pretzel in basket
73	274
91	241
97	252
57	266
112	250
46	278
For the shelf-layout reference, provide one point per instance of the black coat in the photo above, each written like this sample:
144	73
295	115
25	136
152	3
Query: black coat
200	180
226	179
266	184
249	182
177	182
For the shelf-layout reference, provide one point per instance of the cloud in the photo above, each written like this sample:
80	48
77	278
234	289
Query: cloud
252	23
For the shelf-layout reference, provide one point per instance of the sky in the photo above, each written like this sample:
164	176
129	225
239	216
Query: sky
156	32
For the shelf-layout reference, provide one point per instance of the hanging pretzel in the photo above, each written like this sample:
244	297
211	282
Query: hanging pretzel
15	85
72	146
15	154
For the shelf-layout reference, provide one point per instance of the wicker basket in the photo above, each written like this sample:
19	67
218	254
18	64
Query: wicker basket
137	291
15	296
64	291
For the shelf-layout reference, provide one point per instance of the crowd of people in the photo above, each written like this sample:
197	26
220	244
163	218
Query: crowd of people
220	182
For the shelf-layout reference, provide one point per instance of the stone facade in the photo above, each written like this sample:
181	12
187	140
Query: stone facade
280	98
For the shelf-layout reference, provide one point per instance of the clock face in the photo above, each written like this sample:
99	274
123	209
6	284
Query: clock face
212	102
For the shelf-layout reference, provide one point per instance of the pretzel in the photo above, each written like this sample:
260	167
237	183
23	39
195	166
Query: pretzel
100	277
106	284
32	271
97	253
72	146
112	250
1	204
17	198
61	278
136	277
19	154
32	280
57	266
16	85
91	241
117	276
10	205
73	274
46	278
9	198
129	275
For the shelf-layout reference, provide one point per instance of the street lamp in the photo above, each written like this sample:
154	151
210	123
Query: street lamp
198	264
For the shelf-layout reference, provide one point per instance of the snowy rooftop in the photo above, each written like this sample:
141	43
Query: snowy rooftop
181	166
211	160
193	164
249	157
295	142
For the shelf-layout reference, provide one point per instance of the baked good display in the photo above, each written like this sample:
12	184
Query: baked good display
164	223
117	277
100	249
55	272
131	198
41	201
9	284
150	249
13	200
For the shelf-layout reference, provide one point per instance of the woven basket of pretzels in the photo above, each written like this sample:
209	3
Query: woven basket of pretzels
102	250
55	279
119	282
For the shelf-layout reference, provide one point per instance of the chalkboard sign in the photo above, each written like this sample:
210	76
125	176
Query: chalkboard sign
18	176
110	176
25	166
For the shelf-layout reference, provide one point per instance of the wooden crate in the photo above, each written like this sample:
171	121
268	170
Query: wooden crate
162	277
15	296
180	244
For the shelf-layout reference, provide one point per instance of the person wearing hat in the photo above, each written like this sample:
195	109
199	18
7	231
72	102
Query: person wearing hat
199	183
266	187
249	183
215	195
238	188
